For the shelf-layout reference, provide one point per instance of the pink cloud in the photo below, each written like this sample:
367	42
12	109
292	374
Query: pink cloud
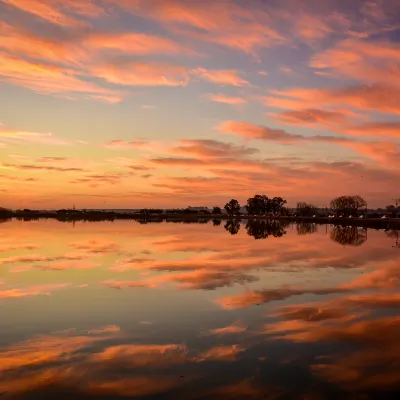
220	76
372	97
142	74
231	100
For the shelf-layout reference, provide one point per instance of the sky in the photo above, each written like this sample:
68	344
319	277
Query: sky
170	103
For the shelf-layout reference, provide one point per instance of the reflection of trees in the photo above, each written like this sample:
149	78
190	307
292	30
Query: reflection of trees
216	222
306	228
260	229
394	234
349	235
232	226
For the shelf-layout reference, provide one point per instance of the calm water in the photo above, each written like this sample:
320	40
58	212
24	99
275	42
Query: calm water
198	311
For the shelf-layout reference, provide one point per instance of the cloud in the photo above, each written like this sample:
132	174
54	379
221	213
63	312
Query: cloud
312	116
32	258
142	74
6	247
231	100
122	144
192	280
31	167
251	131
68	265
105	329
36	290
139	356
221	353
56	12
212	148
234	328
215	23
135	43
220	76
96	246
377	97
365	61
51	79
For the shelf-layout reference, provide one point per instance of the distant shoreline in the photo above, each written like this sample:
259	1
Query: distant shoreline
99	216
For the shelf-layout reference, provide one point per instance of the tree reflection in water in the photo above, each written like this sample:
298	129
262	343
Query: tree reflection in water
394	234
306	228
216	222
349	235
232	226
262	229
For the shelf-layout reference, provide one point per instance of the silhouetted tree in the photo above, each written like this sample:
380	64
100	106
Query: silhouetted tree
348	205
216	222
349	235
305	209
232	207
306	228
276	204
217	210
232	226
258	204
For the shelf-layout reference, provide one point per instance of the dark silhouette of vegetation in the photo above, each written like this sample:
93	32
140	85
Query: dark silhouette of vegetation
232	226
348	205
306	228
261	205
216	210
261	229
349	235
216	222
394	234
232	207
306	209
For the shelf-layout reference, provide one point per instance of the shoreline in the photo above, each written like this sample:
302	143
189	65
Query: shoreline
389	223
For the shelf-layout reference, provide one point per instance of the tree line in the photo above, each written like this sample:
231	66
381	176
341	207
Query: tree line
344	206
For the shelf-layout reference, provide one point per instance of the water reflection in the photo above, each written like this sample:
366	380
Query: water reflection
232	226
261	229
187	311
349	235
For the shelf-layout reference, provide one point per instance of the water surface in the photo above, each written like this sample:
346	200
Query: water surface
198	311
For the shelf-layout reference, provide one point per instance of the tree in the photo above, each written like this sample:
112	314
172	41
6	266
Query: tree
276	204
232	207
216	210
305	209
259	204
348	205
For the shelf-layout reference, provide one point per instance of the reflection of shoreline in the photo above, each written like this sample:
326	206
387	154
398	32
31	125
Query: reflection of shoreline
111	215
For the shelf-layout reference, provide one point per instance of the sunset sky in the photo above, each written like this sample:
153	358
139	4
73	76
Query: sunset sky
170	103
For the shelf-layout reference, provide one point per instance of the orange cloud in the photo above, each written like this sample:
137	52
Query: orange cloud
231	100
215	23
142	74
221	353
372	97
365	61
135	43
96	246
234	328
38	290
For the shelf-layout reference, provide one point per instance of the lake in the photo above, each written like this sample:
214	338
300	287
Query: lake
212	310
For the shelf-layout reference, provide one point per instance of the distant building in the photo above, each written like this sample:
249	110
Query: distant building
202	208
